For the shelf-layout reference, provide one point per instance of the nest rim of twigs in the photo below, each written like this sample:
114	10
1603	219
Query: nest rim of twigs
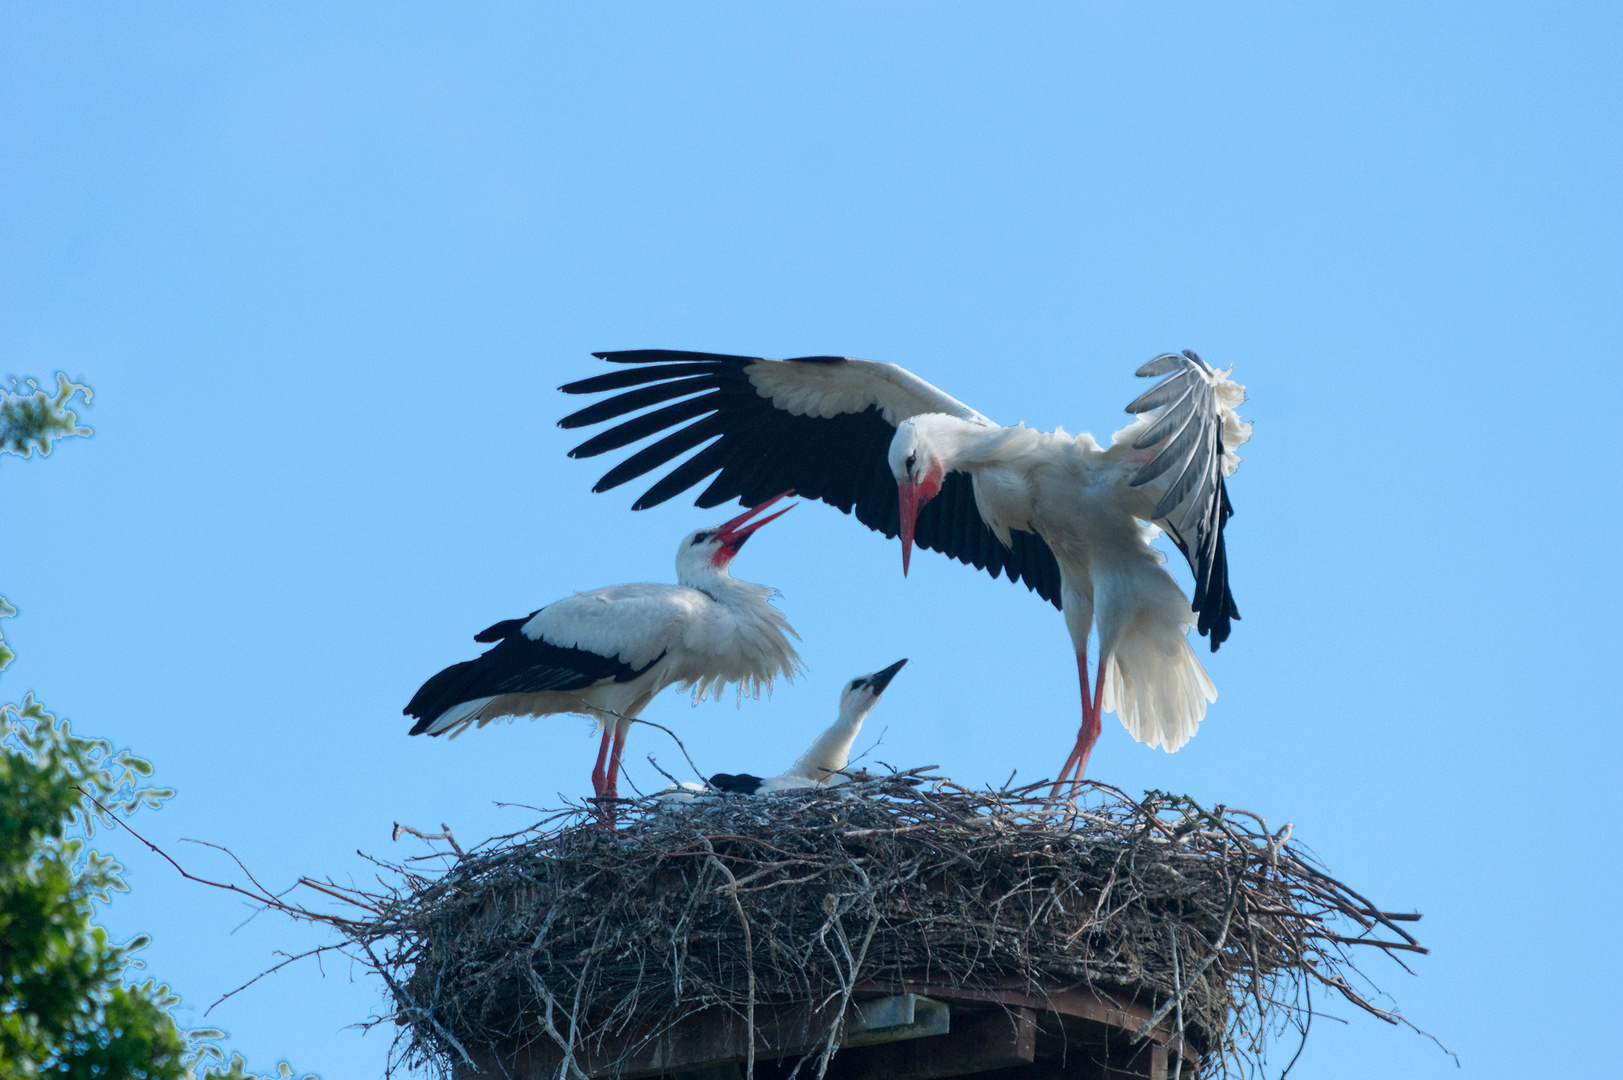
479	952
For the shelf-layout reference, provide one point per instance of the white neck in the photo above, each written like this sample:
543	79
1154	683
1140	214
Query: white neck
715	582
966	445
832	750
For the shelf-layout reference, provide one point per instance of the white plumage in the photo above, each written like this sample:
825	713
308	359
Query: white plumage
605	653
822	763
1073	519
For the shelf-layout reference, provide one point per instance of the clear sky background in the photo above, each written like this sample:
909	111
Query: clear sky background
325	266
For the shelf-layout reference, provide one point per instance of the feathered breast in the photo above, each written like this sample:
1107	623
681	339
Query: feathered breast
741	638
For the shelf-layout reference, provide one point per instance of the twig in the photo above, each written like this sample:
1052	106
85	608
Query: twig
749	953
1177	996
1340	940
566	1045
445	834
335	894
405	1002
232	856
920	827
674	738
851	979
262	897
1217	950
270	971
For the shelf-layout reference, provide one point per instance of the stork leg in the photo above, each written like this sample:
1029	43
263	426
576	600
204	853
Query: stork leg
598	781
1090	730
621	730
1083	743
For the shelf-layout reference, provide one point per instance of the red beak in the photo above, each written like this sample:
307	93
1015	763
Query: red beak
907	496
910	498
733	534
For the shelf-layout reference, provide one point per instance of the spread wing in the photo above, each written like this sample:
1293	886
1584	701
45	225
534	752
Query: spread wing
820	426
1196	430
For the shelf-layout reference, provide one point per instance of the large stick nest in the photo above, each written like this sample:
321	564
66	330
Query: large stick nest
578	932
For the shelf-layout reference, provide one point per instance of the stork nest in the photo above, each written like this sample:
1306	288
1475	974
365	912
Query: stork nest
582	932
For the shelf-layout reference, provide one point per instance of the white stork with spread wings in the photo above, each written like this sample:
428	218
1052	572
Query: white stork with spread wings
1058	511
605	653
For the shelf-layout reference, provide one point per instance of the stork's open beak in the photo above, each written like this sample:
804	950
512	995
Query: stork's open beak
881	679
733	534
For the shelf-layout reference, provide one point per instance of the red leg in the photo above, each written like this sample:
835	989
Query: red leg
598	782
1065	770
1091	728
1085	740
620	733
1083	743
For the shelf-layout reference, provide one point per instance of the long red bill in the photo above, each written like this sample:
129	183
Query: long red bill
907	496
735	532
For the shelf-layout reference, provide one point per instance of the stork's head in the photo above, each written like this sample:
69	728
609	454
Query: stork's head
710	550
919	469
861	693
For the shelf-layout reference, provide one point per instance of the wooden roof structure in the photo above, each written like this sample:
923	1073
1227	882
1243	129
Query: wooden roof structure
888	1032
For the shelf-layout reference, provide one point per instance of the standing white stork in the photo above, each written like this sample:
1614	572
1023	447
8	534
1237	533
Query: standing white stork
820	765
606	653
1060	511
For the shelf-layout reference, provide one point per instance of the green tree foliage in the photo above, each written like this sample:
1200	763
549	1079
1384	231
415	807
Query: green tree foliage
69	1007
67	1010
33	419
6	655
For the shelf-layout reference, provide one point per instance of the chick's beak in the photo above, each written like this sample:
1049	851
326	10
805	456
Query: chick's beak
881	679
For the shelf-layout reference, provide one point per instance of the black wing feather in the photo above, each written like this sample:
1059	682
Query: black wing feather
505	628
517	665
656	454
736	783
618	380
640	427
763	451
621	404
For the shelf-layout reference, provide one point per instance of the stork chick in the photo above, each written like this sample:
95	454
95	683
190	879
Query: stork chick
821	765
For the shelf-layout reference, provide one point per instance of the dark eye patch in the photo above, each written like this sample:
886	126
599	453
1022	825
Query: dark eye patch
856	684
912	461
703	538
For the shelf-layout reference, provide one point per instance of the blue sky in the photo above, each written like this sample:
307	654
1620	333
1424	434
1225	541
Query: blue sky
326	265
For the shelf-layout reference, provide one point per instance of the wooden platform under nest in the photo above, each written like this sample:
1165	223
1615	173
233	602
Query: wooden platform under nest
912	1032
